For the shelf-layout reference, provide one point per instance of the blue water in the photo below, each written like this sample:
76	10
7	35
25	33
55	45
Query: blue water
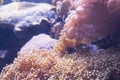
36	1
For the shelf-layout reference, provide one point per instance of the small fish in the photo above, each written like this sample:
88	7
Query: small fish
1	2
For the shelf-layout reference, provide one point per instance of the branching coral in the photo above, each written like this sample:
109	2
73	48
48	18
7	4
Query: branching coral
88	21
30	66
81	65
63	6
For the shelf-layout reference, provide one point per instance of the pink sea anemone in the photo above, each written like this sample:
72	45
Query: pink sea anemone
89	21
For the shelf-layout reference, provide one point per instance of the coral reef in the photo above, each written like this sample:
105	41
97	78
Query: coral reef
88	21
65	7
1	2
19	22
30	66
81	65
62	6
56	29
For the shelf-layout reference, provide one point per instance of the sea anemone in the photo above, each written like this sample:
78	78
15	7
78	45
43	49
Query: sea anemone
89	21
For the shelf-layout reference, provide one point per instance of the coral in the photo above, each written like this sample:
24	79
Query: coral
1	2
63	6
30	66
88	21
81	65
113	6
56	29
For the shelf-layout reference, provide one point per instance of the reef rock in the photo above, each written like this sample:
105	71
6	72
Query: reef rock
26	16
19	21
41	41
9	45
26	19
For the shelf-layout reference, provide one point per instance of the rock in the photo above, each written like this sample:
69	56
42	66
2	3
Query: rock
9	44
2	53
7	37
26	19
19	23
41	41
33	14
37	1
7	56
